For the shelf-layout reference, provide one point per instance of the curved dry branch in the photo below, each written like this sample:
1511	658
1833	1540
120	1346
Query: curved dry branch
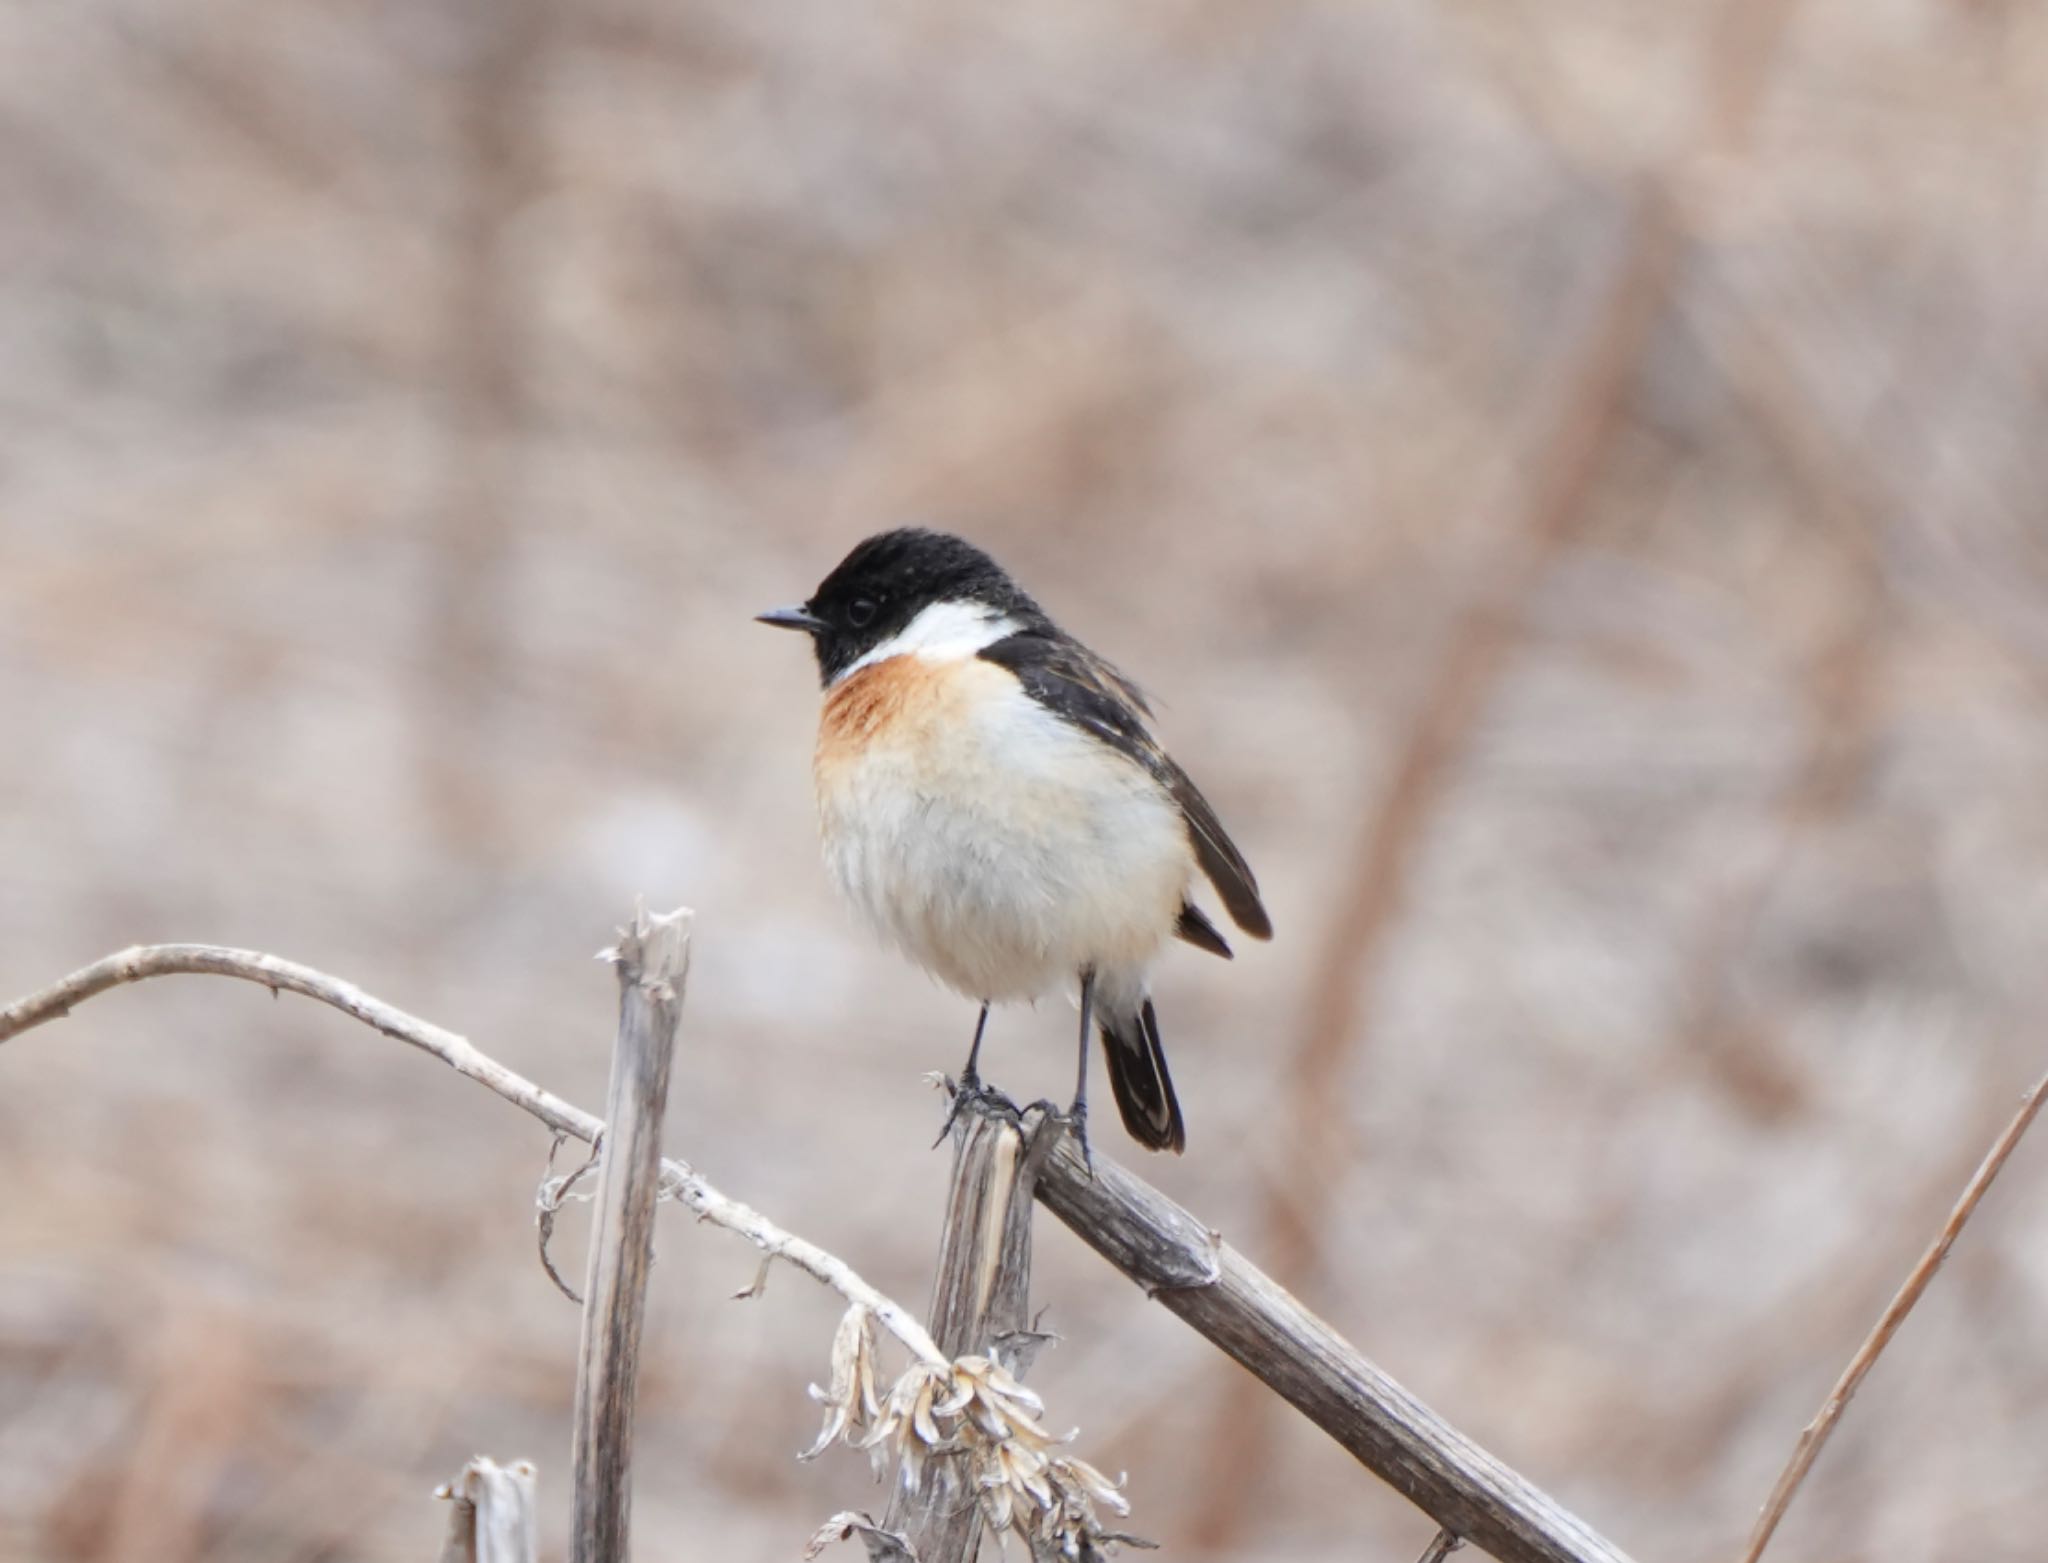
679	1181
1176	1258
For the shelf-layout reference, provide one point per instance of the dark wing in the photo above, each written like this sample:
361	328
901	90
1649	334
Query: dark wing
1199	931
1079	687
1218	855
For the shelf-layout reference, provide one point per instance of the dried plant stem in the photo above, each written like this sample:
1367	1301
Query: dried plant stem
1213	1288
678	1181
1441	1547
1822	1426
491	1514
980	1294
653	958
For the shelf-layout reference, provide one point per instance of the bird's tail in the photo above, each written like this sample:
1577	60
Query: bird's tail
1138	1077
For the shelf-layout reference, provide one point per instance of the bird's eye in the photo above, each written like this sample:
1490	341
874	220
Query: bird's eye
861	613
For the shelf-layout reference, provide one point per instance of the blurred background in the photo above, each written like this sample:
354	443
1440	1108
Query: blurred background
1572	473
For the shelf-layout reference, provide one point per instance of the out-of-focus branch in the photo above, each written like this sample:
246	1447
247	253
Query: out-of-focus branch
653	958
678	1181
1296	1211
1594	379
503	48
1823	1425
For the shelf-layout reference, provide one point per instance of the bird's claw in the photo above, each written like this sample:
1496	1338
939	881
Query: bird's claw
1074	1119
969	1091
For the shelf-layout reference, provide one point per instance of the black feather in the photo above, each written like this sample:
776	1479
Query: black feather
1140	1083
890	578
1218	856
1199	931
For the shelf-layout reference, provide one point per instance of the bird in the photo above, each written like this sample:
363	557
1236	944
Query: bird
992	800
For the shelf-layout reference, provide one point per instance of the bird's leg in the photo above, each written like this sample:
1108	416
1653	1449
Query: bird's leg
970	1077
970	1088
1077	1115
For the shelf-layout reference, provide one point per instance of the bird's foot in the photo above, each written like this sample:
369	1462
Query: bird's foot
969	1091
1077	1125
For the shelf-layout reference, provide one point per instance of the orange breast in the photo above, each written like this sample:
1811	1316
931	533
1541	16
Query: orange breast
886	703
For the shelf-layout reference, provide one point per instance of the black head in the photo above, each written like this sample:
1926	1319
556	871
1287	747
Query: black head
886	582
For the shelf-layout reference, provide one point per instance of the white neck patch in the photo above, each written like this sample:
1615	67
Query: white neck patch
943	632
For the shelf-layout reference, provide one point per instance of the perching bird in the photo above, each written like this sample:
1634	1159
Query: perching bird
993	802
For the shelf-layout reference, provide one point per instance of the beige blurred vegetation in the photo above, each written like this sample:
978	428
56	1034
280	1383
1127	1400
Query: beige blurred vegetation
1574	474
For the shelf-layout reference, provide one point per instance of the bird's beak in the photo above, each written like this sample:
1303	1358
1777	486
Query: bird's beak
797	618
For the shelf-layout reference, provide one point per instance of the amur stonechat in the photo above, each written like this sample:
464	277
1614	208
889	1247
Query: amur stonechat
993	802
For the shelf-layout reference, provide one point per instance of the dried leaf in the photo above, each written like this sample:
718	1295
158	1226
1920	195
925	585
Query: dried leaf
1099	1488
921	1417
849	1403
974	1412
845	1525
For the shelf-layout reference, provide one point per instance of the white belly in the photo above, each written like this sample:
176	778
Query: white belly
1003	850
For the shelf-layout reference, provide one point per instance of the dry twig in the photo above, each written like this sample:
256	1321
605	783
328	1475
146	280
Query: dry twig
556	1190
678	1181
1822	1426
1212	1287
